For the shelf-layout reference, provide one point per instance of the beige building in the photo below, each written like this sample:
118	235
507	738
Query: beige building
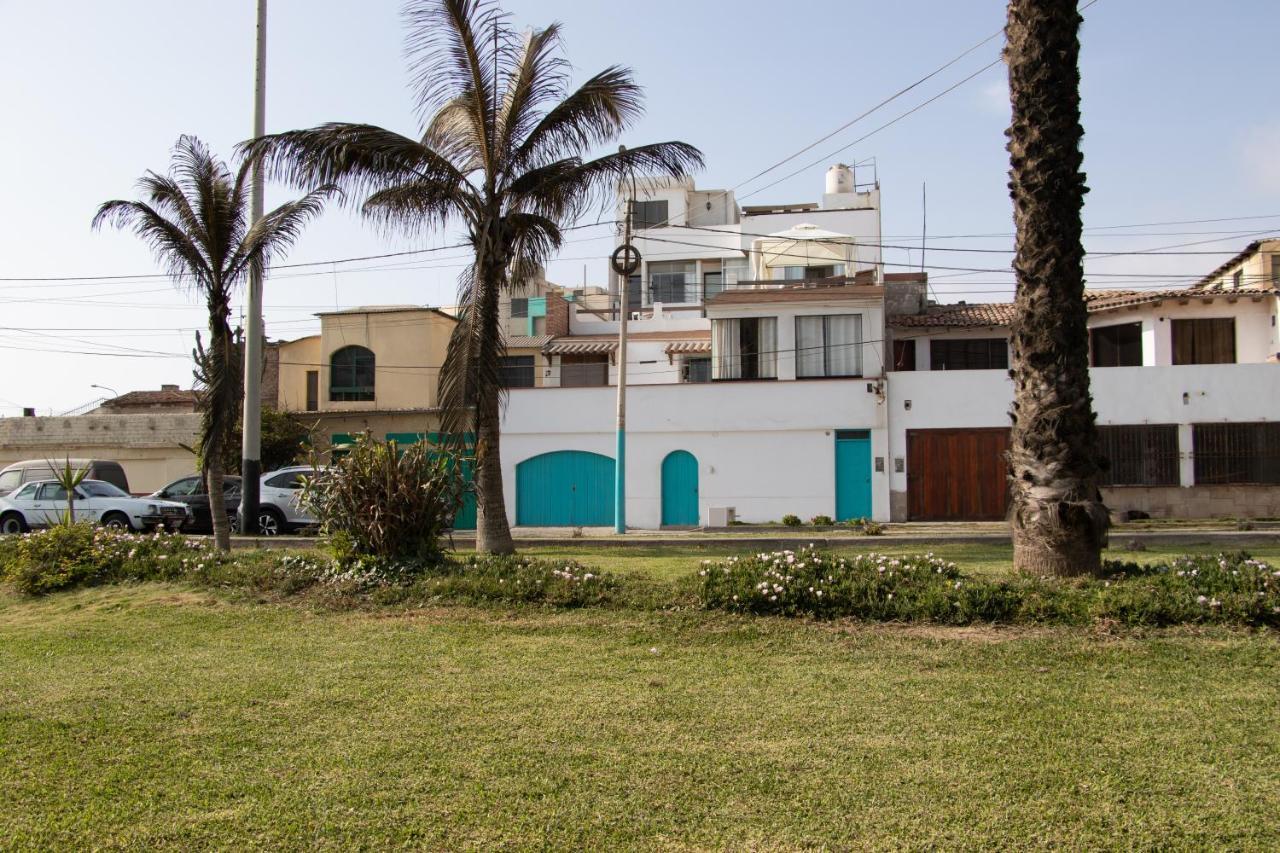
374	368
1255	268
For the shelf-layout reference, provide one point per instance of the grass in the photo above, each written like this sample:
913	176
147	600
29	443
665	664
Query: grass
152	715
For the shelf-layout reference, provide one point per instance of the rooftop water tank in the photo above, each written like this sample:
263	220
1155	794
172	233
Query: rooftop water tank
840	179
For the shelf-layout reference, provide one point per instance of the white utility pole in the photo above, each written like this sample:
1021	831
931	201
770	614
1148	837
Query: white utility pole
251	447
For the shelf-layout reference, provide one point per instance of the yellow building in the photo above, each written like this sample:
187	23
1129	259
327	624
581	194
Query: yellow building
371	368
1255	268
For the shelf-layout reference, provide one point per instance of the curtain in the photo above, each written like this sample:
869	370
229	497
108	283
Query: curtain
844	345
768	341
810	342
726	349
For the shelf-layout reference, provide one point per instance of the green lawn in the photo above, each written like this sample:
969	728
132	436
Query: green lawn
152	715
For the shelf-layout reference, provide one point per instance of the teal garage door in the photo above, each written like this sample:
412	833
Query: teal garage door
853	474
565	488
466	517
680	489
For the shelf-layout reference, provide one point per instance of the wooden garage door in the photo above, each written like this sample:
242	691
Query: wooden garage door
957	474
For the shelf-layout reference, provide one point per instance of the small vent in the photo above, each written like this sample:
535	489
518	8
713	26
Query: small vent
851	434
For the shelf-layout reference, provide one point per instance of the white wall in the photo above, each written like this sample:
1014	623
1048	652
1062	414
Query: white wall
765	448
1121	395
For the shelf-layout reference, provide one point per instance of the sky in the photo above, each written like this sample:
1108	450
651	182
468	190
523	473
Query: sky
1178	111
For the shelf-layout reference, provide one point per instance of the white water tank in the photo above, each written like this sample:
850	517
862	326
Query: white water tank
840	179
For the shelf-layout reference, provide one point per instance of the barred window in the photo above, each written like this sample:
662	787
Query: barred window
517	371
1140	455
351	374
1237	453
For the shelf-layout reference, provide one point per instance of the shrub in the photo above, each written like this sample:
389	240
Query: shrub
866	526
67	556
1232	589
791	520
821	521
513	578
386	501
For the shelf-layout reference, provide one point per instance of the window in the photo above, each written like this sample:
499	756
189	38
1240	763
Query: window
744	348
351	371
520	307
52	492
27	492
830	345
735	270
904	355
1141	455
712	283
10	480
313	390
668	281
695	370
803	273
1207	341
648	214
100	489
635	295
183	488
288	480
584	371
975	354
1237	278
1275	270
1237	453
1116	346
517	371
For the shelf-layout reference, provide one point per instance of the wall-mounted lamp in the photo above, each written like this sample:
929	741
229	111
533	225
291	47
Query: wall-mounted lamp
906	404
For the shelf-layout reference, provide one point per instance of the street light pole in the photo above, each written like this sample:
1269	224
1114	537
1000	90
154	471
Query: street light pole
251	446
625	262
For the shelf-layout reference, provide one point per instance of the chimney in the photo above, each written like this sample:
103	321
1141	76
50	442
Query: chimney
28	412
168	387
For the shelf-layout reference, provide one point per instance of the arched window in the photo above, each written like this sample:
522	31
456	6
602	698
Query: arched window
351	375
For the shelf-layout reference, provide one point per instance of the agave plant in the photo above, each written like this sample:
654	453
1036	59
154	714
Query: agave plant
503	152
195	220
68	478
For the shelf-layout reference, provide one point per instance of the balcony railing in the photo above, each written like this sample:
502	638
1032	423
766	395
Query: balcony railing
696	293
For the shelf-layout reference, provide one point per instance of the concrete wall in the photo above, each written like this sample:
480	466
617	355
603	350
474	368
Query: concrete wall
765	448
295	359
148	446
408	346
1183	395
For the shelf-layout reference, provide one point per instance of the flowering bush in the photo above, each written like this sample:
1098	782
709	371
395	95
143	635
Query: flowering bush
1224	589
73	555
512	578
822	521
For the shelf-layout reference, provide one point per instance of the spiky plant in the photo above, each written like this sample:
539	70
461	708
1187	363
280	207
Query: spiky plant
1059	523
69	477
195	221
504	154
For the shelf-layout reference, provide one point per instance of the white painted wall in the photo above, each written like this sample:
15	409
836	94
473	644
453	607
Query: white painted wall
1121	395
765	448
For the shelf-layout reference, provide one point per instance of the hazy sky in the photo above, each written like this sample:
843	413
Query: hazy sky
1179	111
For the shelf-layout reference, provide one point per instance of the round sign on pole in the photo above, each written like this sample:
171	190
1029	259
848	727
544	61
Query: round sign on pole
625	259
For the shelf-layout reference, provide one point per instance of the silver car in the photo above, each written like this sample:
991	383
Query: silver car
43	503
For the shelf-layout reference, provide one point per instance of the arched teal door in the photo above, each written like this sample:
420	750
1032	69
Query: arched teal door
680	489
565	488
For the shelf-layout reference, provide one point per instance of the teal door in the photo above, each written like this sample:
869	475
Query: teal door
565	488
466	517
680	489
853	474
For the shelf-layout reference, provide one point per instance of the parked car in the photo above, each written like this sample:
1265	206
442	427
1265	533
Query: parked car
44	502
278	496
192	492
42	469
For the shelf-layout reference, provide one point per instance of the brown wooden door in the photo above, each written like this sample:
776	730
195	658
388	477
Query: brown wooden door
957	474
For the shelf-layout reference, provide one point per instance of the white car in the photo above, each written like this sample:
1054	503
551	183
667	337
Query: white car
279	508
44	503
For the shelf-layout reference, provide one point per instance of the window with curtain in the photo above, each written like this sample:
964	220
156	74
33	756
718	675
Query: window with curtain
669	281
829	345
351	374
744	348
1116	346
1204	341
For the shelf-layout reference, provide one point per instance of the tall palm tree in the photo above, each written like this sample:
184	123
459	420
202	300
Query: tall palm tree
503	152
195	220
1059	523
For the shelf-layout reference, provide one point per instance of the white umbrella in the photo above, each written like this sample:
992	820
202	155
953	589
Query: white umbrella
804	245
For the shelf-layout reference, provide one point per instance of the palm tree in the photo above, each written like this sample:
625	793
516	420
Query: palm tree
1058	521
503	152
195	221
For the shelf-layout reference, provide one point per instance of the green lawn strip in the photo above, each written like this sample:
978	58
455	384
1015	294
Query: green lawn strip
157	715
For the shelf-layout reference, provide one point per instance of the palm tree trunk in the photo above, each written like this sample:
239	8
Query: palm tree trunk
1058	521
493	533
217	498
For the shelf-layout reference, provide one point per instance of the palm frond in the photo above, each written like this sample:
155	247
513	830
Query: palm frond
358	158
533	240
539	76
177	253
595	113
457	134
275	233
421	205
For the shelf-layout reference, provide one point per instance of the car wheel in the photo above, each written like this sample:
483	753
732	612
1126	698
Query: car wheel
270	522
235	523
13	523
117	521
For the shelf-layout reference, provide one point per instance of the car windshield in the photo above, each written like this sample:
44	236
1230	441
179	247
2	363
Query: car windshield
99	489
